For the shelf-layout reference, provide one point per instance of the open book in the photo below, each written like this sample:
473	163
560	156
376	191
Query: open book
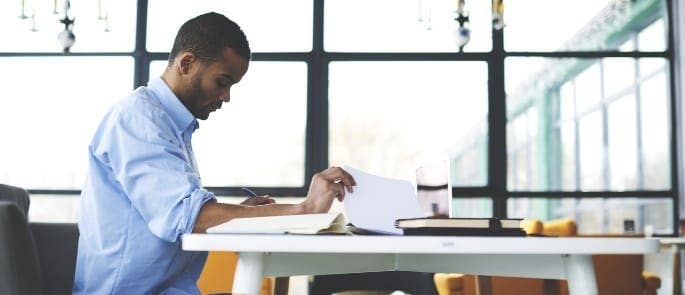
326	223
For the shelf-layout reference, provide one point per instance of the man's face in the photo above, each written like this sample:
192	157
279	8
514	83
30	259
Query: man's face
209	84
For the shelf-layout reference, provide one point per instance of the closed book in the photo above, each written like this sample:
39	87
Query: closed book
461	226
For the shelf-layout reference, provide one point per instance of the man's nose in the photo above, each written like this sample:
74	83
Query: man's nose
226	96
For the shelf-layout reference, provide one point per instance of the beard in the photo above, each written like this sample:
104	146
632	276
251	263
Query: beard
196	97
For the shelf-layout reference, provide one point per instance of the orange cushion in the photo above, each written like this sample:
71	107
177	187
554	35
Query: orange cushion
651	281
532	226
448	282
561	227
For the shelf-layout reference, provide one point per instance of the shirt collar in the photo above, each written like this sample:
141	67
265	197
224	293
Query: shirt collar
172	105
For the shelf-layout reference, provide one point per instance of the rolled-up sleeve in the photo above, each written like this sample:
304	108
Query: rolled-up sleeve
148	161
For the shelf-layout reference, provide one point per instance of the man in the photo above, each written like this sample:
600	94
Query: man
143	189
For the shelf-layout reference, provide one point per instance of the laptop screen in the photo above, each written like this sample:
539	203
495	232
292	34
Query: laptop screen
434	188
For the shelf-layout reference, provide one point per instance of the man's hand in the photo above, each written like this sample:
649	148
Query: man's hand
259	200
325	186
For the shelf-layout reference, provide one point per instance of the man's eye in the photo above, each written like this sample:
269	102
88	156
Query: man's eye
222	83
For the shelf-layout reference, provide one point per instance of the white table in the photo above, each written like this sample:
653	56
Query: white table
535	257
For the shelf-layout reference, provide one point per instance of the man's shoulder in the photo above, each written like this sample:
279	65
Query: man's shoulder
140	106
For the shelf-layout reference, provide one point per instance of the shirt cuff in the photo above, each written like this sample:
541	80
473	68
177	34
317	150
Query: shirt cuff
194	203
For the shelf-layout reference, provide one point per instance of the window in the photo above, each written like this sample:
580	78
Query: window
600	215
385	129
405	26
577	109
50	117
270	26
257	139
101	26
603	126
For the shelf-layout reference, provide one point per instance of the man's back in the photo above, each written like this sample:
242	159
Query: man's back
142	192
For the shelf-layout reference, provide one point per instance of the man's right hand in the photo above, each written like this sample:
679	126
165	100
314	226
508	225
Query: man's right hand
325	186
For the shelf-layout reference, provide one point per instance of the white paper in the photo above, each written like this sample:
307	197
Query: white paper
377	202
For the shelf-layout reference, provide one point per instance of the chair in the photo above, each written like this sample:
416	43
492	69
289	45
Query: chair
35	258
217	274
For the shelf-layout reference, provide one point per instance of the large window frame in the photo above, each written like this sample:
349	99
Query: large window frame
317	133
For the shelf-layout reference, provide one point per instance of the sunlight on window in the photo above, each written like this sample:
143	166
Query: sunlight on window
270	25
52	108
386	116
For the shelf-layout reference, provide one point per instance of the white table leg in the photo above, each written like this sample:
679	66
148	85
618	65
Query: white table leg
248	274
580	273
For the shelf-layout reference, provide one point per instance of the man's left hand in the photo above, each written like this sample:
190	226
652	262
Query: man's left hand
259	200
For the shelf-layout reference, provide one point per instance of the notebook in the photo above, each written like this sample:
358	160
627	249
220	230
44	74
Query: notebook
325	223
461	226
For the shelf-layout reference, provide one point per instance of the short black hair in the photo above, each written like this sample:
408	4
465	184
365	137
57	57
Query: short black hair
207	35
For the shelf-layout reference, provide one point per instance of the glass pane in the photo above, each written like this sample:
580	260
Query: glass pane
101	26
471	207
54	208
591	152
653	37
619	76
385	129
568	156
623	155
655	112
577	25
588	88
60	109
567	98
403	26
231	152
651	66
600	215
270	25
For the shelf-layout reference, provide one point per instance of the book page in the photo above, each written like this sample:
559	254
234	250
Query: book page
301	224
377	202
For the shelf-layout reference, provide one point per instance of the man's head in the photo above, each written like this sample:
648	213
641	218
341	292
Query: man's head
210	54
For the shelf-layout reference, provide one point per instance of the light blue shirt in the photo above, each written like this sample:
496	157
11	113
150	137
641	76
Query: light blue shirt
142	193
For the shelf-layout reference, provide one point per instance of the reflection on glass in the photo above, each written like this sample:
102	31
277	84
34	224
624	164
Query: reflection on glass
258	138
116	33
270	25
383	120
51	119
599	215
403	26
579	25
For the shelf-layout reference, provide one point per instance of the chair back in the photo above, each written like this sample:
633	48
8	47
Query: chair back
19	266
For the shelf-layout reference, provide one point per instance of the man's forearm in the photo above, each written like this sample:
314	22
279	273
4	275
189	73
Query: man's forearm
214	213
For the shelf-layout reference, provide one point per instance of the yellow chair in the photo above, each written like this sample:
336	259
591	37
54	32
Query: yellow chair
217	274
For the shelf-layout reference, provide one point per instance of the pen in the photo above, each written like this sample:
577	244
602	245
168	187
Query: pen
249	192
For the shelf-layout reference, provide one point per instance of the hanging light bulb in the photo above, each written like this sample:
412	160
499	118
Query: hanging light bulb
498	14
463	34
66	37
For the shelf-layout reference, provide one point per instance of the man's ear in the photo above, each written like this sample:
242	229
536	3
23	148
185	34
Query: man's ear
186	60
